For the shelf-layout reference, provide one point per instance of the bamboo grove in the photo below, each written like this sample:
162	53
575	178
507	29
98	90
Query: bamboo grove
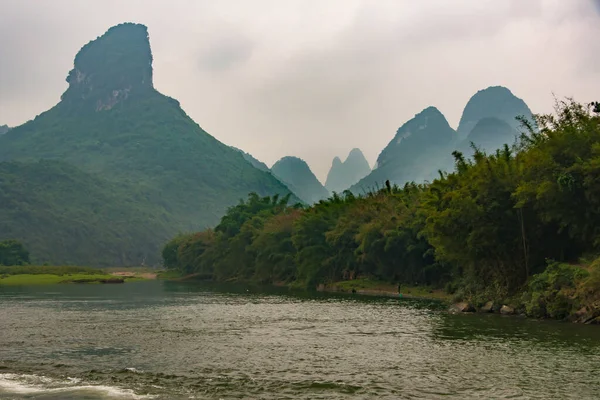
489	228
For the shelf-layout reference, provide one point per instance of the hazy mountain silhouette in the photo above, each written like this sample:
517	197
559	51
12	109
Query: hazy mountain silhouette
424	145
495	101
344	174
414	153
4	129
489	134
298	177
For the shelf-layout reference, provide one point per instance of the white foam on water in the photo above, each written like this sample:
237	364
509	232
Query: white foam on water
32	384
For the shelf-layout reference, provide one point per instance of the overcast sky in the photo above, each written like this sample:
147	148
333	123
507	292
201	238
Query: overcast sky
313	78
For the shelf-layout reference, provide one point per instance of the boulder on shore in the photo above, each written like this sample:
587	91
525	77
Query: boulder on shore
507	310
463	306
487	307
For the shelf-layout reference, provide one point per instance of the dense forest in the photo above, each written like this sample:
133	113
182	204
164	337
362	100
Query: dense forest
70	216
513	226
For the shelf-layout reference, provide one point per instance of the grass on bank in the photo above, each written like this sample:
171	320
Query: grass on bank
47	279
46	275
373	286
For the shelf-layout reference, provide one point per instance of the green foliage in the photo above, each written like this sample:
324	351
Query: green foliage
48	270
12	252
50	279
66	216
45	275
551	293
484	230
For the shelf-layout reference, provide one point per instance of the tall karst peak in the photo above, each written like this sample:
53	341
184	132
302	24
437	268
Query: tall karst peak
429	128
418	147
342	175
111	68
114	126
494	101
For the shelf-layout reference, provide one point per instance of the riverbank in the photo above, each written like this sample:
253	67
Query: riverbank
50	275
371	287
563	292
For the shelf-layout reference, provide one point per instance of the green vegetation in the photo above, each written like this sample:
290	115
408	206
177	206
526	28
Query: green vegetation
50	279
12	252
48	270
46	275
169	274
484	232
129	168
65	215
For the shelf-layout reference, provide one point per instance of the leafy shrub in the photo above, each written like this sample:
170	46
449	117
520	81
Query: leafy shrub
552	292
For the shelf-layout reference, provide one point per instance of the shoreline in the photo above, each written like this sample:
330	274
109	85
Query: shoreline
382	289
53	275
367	287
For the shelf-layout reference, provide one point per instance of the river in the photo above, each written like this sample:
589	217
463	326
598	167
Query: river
168	340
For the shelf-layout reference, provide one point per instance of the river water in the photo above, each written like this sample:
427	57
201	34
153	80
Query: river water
167	340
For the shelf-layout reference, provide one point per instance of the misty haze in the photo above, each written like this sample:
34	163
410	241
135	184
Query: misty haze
294	199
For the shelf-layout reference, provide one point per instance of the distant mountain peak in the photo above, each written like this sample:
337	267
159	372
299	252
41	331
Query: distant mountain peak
298	177
342	175
494	101
413	153
111	68
429	125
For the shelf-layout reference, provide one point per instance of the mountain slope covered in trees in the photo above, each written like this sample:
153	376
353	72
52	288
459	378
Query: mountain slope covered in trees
112	123
67	215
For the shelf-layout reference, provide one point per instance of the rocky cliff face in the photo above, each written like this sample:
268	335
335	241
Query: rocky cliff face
298	177
496	102
111	68
344	174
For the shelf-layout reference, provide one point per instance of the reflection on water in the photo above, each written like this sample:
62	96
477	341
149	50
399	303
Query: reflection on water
170	340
